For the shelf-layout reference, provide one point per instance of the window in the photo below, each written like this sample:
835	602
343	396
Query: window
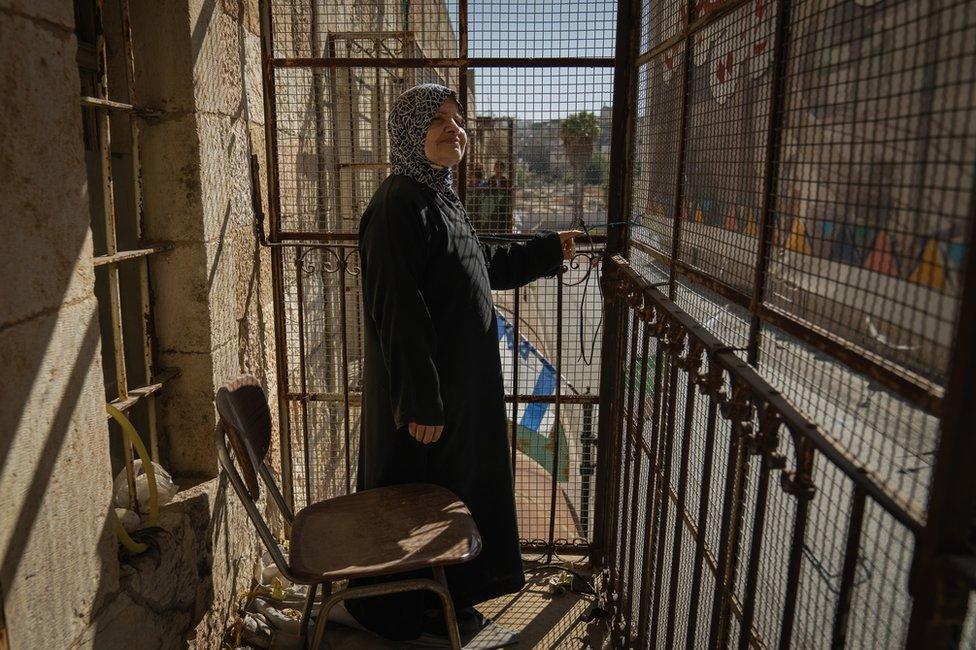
111	123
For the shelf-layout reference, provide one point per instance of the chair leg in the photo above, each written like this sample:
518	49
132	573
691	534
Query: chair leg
439	587
450	616
323	618
307	612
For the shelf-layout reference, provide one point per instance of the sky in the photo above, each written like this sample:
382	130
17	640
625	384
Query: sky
540	28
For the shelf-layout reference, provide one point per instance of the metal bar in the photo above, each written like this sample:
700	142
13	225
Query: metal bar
851	551
462	9
801	487
364	165
770	177
145	298
514	398
703	509
607	431
721	570
642	392
557	426
123	256
680	506
444	62
901	508
667	455
270	118
912	387
755	543
344	368
622	141
302	380
653	484
142	392
628	450
106	104
277	259
940	598
689	31
679	176
329	237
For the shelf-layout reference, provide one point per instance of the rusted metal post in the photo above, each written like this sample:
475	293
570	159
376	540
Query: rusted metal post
940	595
770	177
679	176
618	206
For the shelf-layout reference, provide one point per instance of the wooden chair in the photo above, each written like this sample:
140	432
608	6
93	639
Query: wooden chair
375	532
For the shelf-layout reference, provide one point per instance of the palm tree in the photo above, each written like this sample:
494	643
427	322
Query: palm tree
579	132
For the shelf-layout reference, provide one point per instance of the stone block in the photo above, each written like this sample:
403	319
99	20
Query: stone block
171	179
253	82
218	60
55	478
181	309
44	202
225	181
58	12
162	36
188	416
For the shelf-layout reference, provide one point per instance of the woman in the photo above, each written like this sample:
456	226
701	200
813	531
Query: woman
434	403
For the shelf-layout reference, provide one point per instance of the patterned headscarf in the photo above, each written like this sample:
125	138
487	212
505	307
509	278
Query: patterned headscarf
409	120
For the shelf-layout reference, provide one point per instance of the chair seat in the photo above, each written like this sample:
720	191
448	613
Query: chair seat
383	530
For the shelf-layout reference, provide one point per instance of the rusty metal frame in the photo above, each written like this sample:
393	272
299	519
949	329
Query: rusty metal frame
280	239
131	390
757	415
944	566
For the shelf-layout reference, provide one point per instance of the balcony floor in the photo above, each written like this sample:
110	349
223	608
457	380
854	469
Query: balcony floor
543	620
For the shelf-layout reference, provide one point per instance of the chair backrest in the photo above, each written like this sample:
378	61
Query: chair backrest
243	408
245	420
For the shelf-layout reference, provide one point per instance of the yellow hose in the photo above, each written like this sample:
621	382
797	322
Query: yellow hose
132	437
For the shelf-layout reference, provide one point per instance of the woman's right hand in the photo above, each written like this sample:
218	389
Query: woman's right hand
426	433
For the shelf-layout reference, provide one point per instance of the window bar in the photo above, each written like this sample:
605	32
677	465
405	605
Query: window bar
712	384
678	192
669	345
800	485
691	363
638	465
851	551
623	479
463	167
557	426
344	368
767	215
737	412
516	347
300	253
104	135
144	293
277	255
652	501
767	442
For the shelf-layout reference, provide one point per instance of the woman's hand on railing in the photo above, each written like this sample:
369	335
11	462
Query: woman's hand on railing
568	240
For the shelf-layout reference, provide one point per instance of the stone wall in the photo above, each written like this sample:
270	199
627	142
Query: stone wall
56	547
198	67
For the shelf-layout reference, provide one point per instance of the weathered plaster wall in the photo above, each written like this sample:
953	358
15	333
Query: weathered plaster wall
57	552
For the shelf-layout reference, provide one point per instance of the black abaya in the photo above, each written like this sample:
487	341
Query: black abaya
431	357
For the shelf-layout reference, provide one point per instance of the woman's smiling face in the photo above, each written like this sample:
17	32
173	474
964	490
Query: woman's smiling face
446	138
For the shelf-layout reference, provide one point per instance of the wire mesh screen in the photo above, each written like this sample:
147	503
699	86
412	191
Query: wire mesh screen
536	80
864	191
802	191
